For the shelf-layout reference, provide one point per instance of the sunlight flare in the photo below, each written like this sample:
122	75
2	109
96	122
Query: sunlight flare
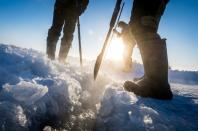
115	49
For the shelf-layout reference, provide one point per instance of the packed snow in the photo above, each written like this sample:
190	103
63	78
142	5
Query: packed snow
36	94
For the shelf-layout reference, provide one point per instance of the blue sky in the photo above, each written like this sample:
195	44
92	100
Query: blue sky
25	23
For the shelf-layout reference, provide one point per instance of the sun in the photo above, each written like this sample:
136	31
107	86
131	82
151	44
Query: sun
115	49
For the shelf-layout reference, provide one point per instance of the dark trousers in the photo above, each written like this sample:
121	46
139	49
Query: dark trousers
64	17
145	17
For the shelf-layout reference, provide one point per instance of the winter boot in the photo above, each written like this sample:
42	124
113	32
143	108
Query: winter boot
155	81
51	49
127	65
64	50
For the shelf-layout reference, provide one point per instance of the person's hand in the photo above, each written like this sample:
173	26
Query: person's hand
116	32
122	24
82	6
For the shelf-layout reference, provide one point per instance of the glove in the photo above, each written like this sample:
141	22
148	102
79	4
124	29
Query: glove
82	6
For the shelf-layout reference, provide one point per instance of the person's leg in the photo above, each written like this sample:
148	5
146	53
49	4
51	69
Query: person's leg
153	51
129	44
155	81
127	56
66	41
55	30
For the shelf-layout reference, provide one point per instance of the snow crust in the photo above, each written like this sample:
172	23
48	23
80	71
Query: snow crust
37	93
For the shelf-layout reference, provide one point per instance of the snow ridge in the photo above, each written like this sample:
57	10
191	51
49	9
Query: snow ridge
36	93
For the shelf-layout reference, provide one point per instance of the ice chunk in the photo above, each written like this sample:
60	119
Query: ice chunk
26	92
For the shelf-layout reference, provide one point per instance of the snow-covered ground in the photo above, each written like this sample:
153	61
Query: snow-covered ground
36	92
